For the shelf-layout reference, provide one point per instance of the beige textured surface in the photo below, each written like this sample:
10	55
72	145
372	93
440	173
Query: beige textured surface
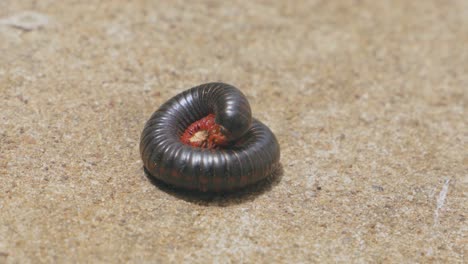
367	99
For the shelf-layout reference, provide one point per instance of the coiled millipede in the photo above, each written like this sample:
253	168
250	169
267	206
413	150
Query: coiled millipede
205	139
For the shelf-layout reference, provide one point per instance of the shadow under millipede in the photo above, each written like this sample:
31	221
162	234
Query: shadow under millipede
243	195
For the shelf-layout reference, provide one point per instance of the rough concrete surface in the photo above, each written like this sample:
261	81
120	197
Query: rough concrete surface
367	99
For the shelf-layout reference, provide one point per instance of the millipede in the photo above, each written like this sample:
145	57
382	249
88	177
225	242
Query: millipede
205	139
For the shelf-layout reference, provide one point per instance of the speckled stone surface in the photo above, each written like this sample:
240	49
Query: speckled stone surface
367	99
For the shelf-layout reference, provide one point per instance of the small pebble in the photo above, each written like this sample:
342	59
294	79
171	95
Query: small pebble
26	20
377	188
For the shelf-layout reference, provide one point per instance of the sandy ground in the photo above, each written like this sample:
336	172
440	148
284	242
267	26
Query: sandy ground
367	99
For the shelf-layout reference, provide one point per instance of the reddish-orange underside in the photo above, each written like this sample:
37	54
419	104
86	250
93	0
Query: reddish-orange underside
204	133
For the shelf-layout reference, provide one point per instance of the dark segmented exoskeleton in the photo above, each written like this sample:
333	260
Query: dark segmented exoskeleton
252	154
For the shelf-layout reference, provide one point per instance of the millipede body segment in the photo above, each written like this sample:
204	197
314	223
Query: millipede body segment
205	139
